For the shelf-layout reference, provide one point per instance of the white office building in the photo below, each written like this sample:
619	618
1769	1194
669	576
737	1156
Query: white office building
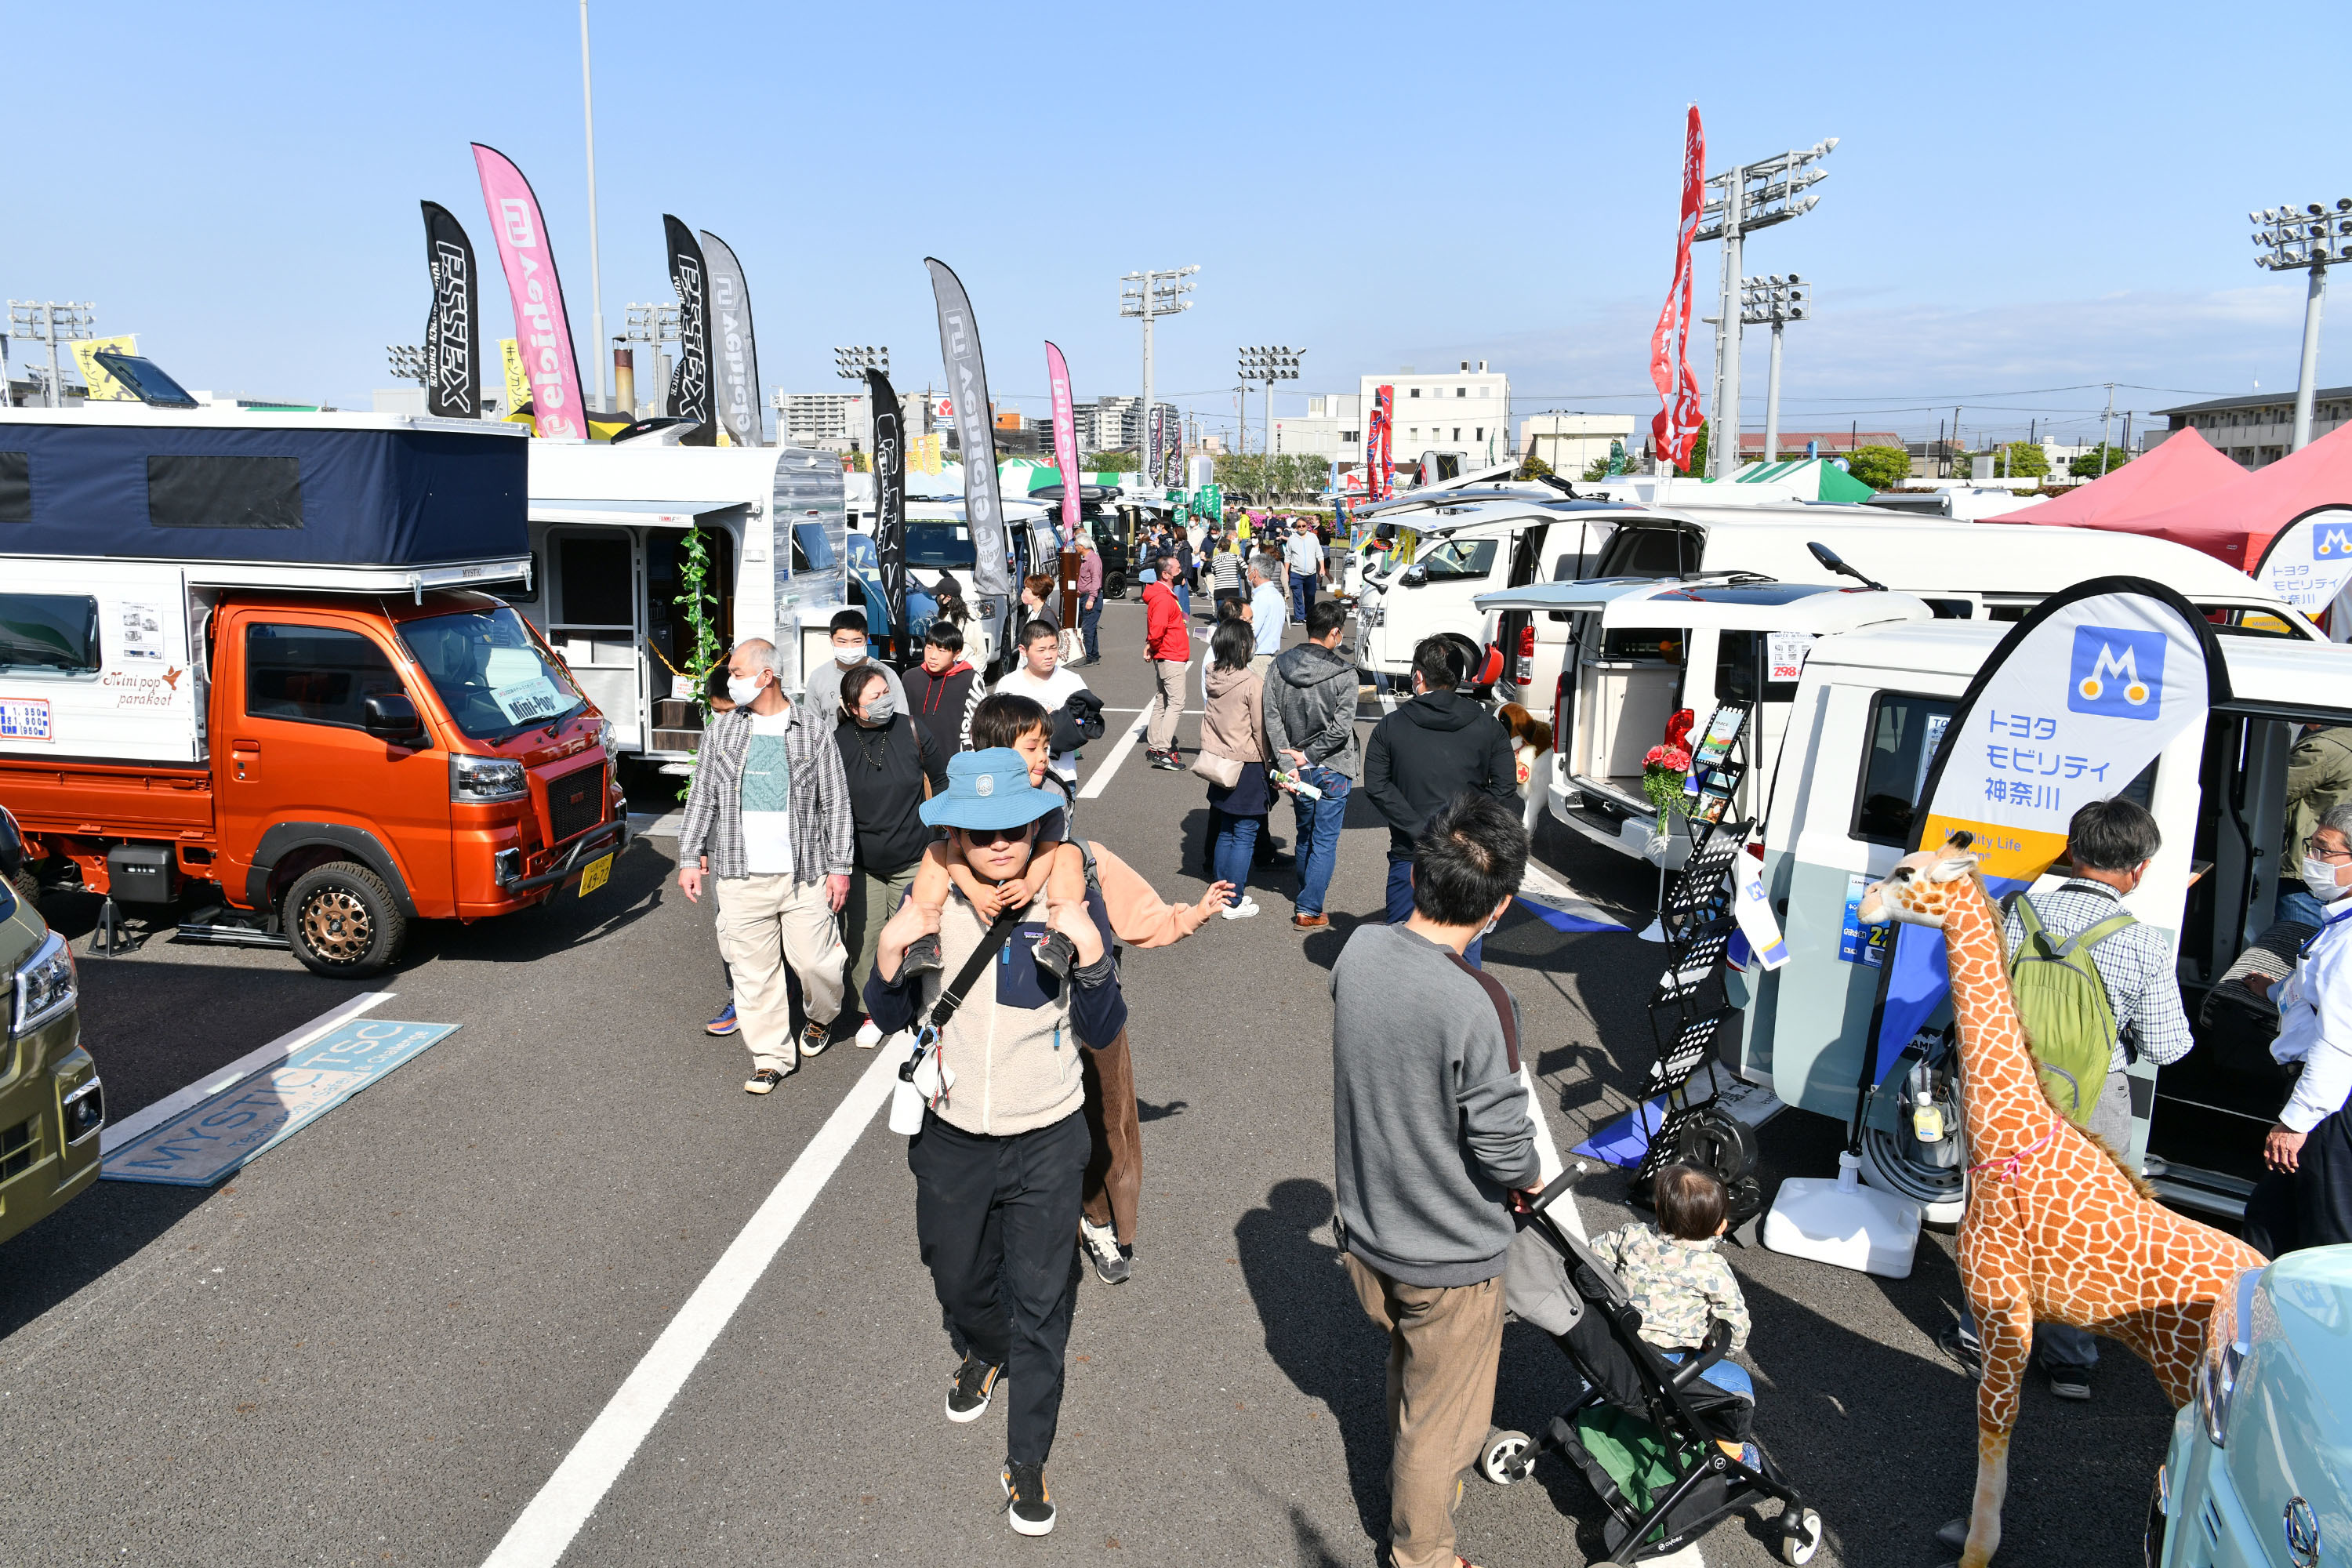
1572	443
1465	410
1331	423
828	421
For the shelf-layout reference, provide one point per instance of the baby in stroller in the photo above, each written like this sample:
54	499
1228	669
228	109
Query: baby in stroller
1663	1428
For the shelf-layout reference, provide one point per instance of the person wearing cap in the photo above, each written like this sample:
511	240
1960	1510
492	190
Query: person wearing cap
1001	1158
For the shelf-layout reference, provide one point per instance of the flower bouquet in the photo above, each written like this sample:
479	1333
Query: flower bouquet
1663	768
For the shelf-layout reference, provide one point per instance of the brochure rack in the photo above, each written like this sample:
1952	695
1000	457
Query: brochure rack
1685	1012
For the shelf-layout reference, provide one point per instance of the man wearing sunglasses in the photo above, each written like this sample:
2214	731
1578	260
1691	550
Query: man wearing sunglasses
1001	1158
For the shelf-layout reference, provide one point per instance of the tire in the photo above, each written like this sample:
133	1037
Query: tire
1501	1449
1941	1193
1721	1142
341	921
1791	1550
1115	587
27	887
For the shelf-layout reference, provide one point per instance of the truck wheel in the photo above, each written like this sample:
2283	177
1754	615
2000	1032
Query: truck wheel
341	921
1117	586
27	887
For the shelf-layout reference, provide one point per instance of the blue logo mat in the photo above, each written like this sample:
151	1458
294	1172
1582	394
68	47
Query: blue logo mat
207	1142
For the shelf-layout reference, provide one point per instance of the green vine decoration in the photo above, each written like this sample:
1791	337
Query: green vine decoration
694	578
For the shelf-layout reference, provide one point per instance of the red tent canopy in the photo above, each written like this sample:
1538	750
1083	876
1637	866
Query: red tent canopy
2236	522
2183	466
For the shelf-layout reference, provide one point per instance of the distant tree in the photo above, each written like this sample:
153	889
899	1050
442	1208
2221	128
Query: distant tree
1533	467
1107	463
2100	460
1241	473
1313	474
1698	464
1880	467
2021	461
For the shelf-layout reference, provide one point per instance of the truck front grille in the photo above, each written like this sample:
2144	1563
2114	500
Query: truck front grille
575	803
18	1144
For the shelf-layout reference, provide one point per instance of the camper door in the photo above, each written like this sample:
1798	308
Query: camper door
96	663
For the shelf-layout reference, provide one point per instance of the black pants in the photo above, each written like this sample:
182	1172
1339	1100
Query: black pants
998	1220
2312	1207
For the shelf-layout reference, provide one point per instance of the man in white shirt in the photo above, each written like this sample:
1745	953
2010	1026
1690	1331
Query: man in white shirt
1268	611
2311	1146
1304	555
1039	678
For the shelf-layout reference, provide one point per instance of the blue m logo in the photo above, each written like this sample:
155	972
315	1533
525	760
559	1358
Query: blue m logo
2331	541
2116	673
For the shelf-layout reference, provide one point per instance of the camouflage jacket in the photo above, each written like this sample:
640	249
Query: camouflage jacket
1679	1285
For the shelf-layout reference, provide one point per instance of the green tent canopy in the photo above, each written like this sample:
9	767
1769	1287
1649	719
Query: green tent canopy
1806	478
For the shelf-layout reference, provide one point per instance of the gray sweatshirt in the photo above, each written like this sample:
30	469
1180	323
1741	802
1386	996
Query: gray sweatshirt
1429	1118
1310	707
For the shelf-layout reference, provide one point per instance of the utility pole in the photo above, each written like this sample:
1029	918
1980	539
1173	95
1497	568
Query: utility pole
2292	240
2106	423
1151	295
596	265
51	323
1753	196
1950	456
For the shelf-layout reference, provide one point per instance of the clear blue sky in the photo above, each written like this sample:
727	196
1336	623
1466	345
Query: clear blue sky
2022	197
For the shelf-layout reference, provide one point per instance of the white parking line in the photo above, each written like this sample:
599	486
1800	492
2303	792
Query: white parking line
147	1116
540	1536
1100	781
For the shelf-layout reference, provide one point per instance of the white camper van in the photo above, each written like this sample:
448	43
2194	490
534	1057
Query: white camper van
608	530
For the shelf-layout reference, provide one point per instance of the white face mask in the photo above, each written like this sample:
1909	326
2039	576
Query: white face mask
845	656
2319	876
741	691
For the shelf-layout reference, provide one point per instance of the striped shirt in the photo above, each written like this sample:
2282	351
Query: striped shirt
2136	964
822	834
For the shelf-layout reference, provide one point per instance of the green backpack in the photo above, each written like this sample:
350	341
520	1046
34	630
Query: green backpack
2069	1022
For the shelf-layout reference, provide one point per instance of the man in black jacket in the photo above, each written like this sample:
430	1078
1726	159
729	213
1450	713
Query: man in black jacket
1426	752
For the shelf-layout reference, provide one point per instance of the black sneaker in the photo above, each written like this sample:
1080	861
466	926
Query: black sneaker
1027	1501
1962	1350
1056	953
1168	762
1112	1265
922	954
974	1385
815	1037
2070	1382
764	1081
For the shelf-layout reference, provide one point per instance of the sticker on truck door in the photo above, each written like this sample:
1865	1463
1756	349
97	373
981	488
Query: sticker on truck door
24	719
143	631
1859	943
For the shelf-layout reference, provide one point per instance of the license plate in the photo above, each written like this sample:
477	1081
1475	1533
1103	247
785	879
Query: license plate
593	877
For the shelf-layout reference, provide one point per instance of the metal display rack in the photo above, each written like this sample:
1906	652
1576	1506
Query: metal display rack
1685	1012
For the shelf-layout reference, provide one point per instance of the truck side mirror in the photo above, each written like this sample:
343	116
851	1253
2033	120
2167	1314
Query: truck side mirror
12	846
391	715
1414	576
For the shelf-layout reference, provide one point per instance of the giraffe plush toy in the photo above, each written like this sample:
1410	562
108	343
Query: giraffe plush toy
2056	1228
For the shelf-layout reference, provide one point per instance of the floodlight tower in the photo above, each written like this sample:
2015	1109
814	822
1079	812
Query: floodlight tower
2308	238
1147	297
1268	365
652	325
1751	196
1773	301
407	361
51	323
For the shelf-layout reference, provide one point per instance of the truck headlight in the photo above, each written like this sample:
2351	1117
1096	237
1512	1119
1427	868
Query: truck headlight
476	781
2217	1374
47	986
604	735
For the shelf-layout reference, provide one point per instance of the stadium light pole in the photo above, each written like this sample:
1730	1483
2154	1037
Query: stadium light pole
407	361
1268	365
1773	301
851	362
1147	297
2309	239
1750	196
51	323
652	325
596	257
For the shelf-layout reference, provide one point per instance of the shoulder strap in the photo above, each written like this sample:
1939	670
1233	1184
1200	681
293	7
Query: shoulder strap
1502	1001
2090	937
952	997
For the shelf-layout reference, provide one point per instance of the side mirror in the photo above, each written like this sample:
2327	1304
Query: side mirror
12	846
391	715
1414	576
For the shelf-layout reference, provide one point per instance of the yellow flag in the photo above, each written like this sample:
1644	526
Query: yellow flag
103	387
517	379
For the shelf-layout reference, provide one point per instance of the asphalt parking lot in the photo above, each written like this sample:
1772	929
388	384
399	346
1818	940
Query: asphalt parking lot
381	1340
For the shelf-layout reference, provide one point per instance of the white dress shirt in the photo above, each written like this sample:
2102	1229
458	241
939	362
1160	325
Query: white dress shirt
2315	1024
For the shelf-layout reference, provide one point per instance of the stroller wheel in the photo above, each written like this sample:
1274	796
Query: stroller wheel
1503	1459
1800	1548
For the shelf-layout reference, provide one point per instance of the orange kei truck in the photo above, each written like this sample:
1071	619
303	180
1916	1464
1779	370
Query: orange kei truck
246	667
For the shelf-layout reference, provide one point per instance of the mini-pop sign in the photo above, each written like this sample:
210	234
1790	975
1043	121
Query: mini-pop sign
24	719
1784	654
143	631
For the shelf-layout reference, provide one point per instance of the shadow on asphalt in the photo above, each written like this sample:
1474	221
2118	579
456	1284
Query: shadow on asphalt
95	1234
156	1025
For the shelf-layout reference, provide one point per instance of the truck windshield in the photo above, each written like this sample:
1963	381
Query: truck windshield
942	544
489	673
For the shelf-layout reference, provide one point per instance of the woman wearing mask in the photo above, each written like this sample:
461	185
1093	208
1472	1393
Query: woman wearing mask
1233	757
889	759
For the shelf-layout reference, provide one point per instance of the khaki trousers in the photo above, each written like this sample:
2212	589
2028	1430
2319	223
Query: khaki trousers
764	925
1445	1343
1115	1163
1168	683
866	911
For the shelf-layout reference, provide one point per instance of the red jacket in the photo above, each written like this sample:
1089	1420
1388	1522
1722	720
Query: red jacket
1165	634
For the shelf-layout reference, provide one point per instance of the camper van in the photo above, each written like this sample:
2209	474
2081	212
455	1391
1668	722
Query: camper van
607	538
248	655
1864	723
1626	675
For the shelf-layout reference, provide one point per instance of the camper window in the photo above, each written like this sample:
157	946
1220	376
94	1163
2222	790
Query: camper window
314	675
1649	552
16	488
191	491
944	545
1458	559
1904	731
812	550
593	581
1624	645
489	671
54	632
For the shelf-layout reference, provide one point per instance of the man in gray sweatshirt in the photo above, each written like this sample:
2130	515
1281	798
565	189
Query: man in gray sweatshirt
1433	1137
1310	728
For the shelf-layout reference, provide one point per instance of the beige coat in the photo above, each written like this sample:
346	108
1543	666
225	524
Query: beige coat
1233	722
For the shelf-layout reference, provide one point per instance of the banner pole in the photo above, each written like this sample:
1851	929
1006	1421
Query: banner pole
596	255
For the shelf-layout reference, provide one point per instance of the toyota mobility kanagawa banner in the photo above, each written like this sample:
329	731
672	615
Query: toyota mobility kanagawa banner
1066	438
734	358
890	499
689	385
2073	707
543	332
453	356
2307	563
1675	428
983	507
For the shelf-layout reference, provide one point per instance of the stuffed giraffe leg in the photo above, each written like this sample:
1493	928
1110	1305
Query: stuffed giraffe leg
2005	1329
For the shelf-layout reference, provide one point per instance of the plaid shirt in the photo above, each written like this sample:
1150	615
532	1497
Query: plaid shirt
822	836
2135	964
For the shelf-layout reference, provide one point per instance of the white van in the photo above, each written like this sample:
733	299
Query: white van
1861	728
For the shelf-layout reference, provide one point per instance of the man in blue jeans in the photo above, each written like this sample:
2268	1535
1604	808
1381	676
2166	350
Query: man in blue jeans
1310	725
1304	555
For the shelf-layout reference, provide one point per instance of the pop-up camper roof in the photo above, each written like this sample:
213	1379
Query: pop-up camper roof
232	485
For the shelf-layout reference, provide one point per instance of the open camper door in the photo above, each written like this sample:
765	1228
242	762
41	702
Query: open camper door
96	661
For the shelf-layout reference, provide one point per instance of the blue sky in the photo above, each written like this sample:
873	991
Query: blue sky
2022	197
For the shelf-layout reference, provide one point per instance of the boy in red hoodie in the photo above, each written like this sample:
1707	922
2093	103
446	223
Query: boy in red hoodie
943	689
1168	646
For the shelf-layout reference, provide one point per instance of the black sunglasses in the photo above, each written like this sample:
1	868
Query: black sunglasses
989	837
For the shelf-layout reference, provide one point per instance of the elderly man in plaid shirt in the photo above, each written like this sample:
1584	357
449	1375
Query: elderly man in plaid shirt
767	815
2111	843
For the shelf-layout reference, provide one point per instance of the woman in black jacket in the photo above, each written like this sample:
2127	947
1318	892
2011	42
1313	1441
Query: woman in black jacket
888	758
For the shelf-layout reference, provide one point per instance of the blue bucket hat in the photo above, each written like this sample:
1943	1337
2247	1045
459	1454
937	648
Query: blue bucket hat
988	789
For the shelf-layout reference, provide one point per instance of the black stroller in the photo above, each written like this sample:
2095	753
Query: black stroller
1557	1283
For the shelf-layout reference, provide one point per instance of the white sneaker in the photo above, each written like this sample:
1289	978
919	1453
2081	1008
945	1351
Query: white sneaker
1239	911
868	1036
